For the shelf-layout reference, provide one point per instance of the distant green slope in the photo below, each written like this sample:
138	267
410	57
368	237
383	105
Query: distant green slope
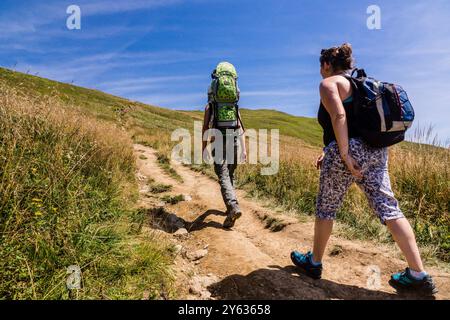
95	102
148	118
303	128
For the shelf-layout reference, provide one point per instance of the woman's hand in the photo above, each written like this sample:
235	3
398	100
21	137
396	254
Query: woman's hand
243	156
319	161
206	155
353	166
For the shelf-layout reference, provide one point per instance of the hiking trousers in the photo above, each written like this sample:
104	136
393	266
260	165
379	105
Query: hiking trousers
335	179
224	167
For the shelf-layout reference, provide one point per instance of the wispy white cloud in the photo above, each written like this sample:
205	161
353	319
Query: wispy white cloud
119	6
150	80
32	18
188	100
276	93
133	85
87	68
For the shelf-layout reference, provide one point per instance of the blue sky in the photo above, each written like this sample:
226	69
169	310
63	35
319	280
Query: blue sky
162	52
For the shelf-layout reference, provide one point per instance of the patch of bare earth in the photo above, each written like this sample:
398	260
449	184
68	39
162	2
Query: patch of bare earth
251	261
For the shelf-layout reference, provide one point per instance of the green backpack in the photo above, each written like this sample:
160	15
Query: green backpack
224	97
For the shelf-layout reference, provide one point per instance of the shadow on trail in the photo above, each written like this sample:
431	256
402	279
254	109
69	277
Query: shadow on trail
170	222
199	223
273	282
286	283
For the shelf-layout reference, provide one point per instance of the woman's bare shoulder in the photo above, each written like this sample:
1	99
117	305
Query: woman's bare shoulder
328	84
335	81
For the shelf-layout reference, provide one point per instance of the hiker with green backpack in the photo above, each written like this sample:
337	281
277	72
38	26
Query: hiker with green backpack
361	117
222	114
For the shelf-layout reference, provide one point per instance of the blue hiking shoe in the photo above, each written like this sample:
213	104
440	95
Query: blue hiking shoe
304	262
404	281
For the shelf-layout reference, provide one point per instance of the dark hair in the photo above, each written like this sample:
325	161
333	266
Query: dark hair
340	58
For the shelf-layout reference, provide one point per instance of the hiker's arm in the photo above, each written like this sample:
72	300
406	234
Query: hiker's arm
241	137
329	94
205	125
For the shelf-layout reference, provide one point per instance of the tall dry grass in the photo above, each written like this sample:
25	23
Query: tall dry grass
420	177
66	183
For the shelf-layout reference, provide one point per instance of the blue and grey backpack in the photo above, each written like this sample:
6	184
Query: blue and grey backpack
382	110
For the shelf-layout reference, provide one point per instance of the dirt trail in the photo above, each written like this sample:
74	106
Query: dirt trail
251	261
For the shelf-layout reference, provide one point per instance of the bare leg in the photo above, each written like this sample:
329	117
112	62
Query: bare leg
403	235
322	232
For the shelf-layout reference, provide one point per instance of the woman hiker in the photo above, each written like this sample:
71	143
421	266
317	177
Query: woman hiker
347	159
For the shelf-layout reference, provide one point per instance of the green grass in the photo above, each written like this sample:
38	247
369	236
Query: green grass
173	199
420	178
67	191
136	117
164	163
160	188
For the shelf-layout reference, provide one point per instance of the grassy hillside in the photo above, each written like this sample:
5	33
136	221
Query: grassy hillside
146	119
94	102
420	179
420	174
67	192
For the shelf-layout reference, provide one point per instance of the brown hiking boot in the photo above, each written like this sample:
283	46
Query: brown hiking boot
231	218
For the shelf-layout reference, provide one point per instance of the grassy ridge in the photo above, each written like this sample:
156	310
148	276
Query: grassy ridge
94	102
150	123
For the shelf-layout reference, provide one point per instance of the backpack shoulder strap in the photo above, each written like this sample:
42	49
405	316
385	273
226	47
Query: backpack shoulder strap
239	118
212	113
360	73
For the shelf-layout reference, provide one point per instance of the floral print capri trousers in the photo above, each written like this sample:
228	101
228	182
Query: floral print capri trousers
335	179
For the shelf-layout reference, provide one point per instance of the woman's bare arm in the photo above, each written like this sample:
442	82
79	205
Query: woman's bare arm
206	119
329	94
241	138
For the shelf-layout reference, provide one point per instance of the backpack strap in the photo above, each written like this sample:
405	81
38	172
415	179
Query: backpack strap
239	118
214	74
360	73
212	113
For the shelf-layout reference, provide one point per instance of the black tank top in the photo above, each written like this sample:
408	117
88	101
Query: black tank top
327	126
